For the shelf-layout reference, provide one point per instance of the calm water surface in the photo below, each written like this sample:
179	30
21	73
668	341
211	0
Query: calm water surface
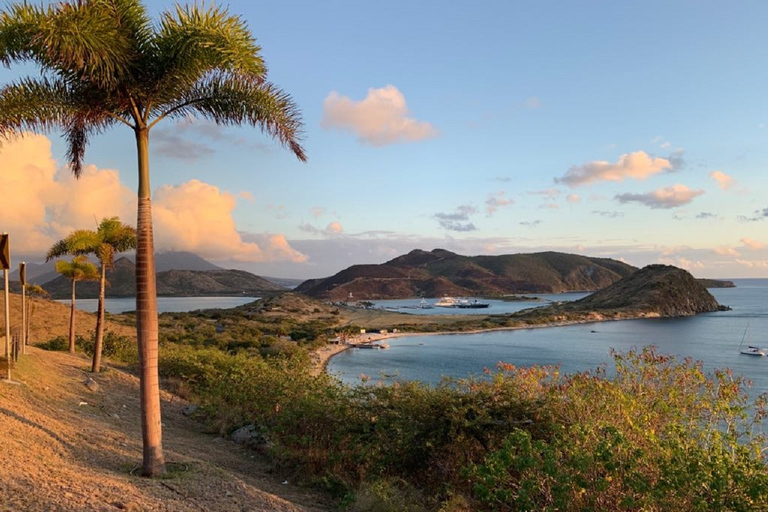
713	338
164	304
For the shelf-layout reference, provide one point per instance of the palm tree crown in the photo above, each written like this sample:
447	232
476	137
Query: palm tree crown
105	63
110	237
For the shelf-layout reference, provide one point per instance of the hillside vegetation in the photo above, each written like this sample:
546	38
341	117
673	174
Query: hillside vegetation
171	283
440	272
659	434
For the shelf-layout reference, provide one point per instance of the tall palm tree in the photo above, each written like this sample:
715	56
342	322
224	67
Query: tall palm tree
103	63
79	269
110	237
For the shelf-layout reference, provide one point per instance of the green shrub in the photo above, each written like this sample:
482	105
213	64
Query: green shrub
660	435
59	344
114	346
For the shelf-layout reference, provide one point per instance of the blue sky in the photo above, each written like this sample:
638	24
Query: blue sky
630	130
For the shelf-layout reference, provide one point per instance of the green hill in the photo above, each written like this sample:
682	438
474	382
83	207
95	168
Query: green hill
440	272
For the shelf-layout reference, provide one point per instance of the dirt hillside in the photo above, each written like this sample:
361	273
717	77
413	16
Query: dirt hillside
68	446
49	319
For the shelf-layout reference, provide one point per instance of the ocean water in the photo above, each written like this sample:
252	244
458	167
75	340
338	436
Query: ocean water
496	307
164	304
713	338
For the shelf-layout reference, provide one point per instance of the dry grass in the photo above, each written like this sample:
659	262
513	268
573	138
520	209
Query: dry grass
69	447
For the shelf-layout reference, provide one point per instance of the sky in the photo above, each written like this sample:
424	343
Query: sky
629	130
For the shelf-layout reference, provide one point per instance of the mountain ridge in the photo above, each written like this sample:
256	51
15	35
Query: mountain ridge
170	283
441	272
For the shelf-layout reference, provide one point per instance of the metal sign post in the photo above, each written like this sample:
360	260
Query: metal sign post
5	263
23	282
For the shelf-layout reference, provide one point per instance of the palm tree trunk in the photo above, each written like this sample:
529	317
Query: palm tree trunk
72	320
99	342
146	319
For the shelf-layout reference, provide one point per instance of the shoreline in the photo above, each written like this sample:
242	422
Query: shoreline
322	356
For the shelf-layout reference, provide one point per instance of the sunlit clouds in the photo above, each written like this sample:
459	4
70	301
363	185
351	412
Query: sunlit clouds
197	217
752	244
668	197
723	180
332	229
726	251
46	203
638	166
682	262
573	198
380	119
495	201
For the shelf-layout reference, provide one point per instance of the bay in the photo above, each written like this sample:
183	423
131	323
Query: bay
496	307
164	304
713	338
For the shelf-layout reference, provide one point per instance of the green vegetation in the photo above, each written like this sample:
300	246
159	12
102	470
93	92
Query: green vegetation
656	434
115	347
659	435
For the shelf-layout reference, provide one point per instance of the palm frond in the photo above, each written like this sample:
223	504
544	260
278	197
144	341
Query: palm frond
80	38
79	269
44	104
79	242
115	237
231	100
59	249
198	38
34	104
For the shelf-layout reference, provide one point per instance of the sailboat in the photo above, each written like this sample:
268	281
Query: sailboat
751	350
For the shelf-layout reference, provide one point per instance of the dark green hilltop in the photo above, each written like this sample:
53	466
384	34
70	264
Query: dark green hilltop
440	272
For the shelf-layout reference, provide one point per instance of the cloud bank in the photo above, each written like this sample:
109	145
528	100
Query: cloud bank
45	203
382	118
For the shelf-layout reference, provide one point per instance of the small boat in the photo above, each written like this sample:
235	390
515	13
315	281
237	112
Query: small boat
452	302
751	350
381	345
425	305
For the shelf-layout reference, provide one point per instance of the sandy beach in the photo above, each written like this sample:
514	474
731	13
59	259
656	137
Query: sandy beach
323	355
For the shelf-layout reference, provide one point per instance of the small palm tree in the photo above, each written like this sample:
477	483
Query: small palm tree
79	269
105	63
33	290
111	237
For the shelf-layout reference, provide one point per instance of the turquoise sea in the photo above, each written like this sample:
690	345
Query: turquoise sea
712	338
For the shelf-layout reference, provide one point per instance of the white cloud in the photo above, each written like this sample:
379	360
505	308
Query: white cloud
334	228
196	216
683	263
752	244
573	198
669	197
495	201
380	119
638	165
46	204
458	220
723	180
726	251
43	203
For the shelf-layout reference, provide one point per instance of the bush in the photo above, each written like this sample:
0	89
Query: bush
58	344
114	346
660	435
